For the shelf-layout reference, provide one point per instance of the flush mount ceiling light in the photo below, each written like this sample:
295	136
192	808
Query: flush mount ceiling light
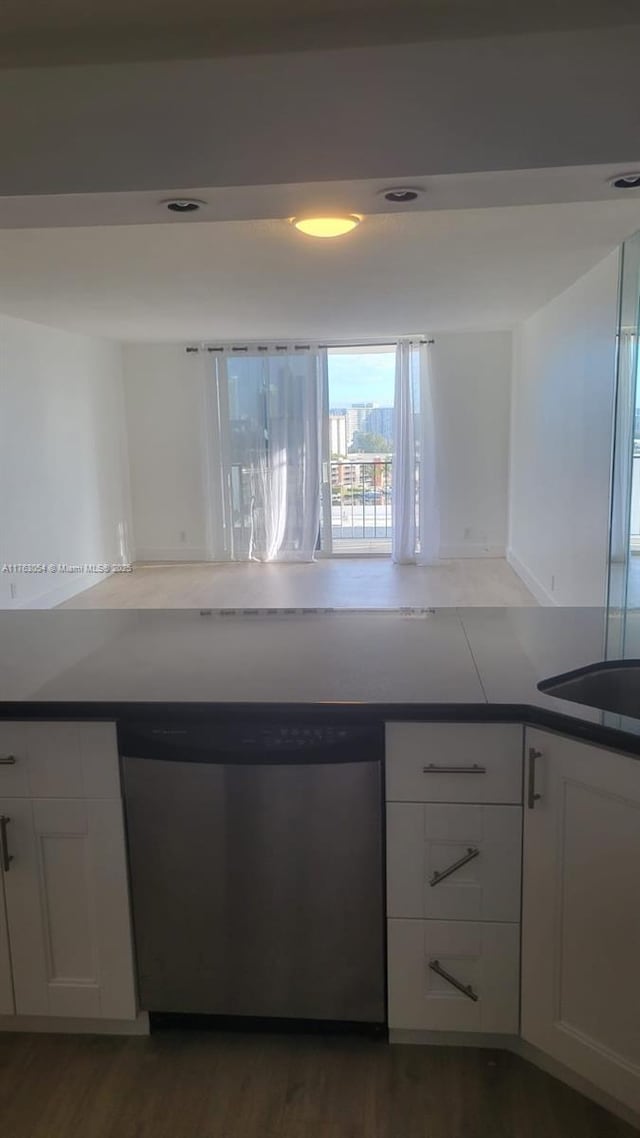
400	195
334	226
626	181
183	205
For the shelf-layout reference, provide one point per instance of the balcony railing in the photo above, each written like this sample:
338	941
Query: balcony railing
361	505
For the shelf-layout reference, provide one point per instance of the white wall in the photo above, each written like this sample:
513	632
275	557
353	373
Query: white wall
164	407
472	379
62	459
561	432
390	112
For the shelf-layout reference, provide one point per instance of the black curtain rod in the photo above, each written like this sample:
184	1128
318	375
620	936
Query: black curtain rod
380	344
303	347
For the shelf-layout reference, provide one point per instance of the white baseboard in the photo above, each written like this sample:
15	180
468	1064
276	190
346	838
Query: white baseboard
577	1082
198	553
423	1038
534	586
470	549
67	586
171	553
66	1025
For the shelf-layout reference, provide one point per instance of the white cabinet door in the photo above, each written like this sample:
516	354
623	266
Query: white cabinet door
581	912
7	1006
67	908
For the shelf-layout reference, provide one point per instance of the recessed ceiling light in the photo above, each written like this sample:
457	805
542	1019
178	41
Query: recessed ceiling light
400	195
626	181
183	205
334	226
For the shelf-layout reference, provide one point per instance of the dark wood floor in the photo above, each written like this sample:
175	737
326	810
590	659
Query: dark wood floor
187	1085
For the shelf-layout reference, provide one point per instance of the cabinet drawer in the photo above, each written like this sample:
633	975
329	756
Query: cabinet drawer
426	840
453	762
14	782
481	955
59	760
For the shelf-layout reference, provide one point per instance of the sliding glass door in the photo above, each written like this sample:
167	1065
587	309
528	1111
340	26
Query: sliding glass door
264	420
301	451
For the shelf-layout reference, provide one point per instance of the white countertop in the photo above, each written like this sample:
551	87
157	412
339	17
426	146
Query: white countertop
456	656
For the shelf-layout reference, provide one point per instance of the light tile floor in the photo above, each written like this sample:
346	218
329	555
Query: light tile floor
337	583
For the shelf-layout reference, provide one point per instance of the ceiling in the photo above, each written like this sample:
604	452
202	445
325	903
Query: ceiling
71	31
463	269
479	190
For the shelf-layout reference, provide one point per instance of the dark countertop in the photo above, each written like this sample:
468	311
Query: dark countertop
603	734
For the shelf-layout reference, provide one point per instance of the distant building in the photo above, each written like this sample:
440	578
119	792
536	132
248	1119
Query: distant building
339	443
379	421
356	417
368	417
363	472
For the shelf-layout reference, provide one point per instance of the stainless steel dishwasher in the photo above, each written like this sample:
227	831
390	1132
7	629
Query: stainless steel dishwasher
256	865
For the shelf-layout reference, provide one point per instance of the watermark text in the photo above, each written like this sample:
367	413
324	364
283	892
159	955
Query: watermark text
60	567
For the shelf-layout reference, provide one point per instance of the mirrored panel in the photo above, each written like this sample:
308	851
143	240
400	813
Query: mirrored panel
623	625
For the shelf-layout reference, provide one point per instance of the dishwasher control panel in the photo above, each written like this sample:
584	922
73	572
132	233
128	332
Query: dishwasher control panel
241	740
295	738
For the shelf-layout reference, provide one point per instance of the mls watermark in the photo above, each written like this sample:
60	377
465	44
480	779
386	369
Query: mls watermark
60	567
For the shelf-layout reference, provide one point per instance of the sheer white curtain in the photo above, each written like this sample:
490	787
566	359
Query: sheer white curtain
416	520
264	423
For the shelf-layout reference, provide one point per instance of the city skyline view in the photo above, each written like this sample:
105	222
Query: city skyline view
364	427
361	394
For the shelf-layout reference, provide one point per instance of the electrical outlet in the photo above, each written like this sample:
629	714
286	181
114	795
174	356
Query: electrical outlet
13	591
183	536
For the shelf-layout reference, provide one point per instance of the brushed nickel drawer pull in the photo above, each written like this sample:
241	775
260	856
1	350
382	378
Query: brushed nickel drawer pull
474	769
466	989
6	856
472	852
7	760
532	797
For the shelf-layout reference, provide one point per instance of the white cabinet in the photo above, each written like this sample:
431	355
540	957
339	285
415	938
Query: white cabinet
454	976
7	1006
454	762
67	931
454	862
581	911
454	839
60	760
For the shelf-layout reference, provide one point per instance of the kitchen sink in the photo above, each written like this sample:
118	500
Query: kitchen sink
612	685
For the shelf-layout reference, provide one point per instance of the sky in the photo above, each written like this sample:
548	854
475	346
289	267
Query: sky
367	378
